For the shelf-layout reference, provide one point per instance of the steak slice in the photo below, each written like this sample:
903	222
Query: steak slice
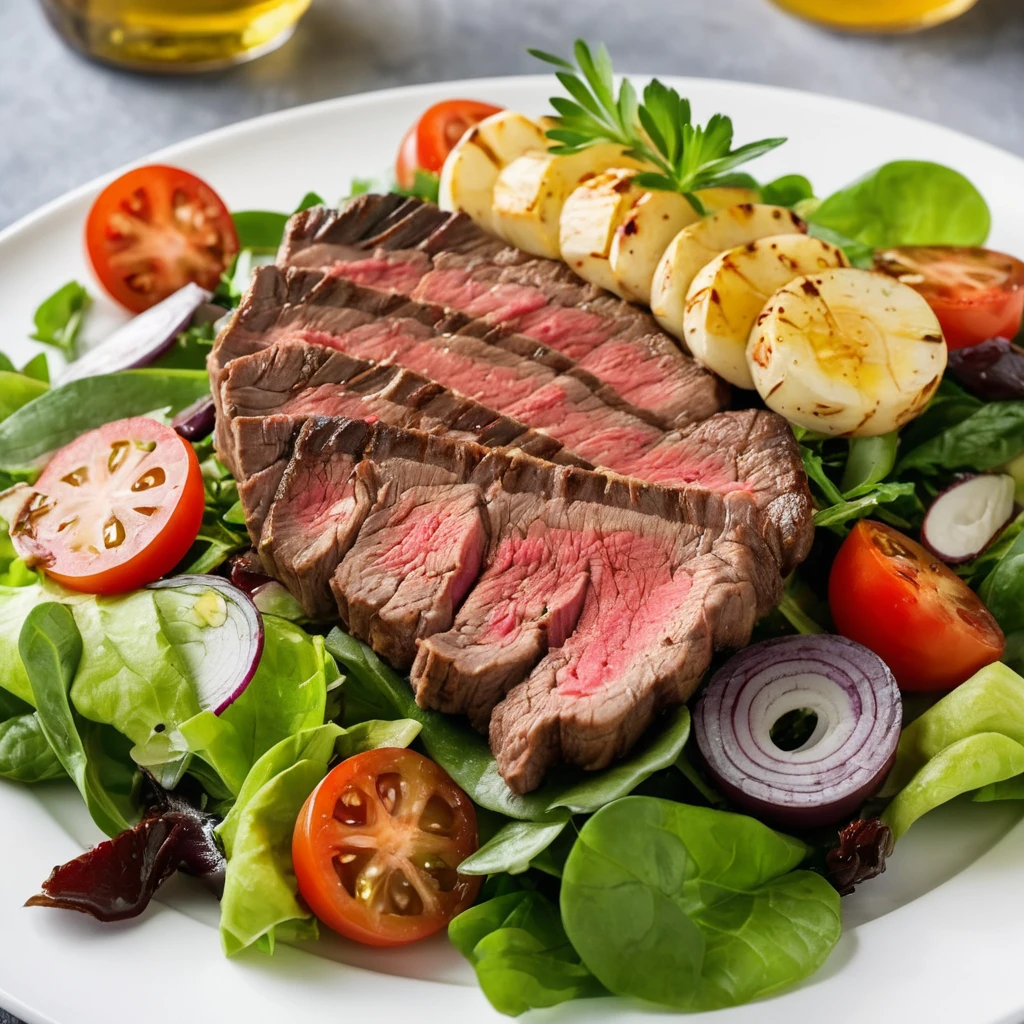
644	640
417	554
323	497
587	579
443	259
750	450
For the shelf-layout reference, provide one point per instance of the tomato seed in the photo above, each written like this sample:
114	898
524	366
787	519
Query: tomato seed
152	478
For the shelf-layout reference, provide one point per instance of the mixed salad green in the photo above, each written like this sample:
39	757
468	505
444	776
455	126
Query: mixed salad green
641	880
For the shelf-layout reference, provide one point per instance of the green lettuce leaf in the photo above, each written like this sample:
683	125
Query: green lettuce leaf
968	764
519	950
970	740
694	908
513	848
260	905
991	701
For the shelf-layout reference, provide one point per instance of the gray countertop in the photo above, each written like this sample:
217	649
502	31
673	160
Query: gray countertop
63	120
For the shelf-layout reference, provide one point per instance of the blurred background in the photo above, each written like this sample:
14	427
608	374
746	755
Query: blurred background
64	120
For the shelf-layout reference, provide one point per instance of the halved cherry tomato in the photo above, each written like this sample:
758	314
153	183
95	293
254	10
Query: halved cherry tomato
377	844
114	510
433	136
154	230
977	294
891	595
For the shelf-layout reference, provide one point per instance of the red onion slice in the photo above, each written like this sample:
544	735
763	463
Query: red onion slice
846	757
143	338
224	658
196	421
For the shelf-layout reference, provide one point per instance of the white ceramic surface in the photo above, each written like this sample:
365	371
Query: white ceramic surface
938	938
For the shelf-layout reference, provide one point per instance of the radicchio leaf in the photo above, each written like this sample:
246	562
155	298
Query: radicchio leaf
860	854
116	879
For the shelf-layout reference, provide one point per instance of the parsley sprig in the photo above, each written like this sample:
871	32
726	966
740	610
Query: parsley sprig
657	129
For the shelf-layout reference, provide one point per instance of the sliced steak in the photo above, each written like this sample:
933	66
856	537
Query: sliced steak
443	259
643	641
323	497
749	450
592	585
417	554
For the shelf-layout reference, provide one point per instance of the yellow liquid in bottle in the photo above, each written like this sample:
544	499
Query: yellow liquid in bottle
175	35
877	15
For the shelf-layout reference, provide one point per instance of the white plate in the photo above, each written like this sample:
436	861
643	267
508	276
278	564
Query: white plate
937	938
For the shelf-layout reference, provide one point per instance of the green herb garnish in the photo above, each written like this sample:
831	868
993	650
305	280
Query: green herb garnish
656	129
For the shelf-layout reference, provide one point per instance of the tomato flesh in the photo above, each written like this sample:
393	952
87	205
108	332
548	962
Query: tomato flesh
429	141
114	510
976	293
891	595
154	230
377	844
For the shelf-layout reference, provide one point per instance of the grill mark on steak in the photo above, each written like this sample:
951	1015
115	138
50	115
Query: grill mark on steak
749	449
457	266
654	556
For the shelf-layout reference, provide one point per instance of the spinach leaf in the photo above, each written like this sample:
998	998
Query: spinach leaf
262	230
310	199
37	368
425	186
968	764
17	390
25	753
50	646
908	202
58	319
259	230
65	412
1003	594
513	848
990	436
694	908
788	190
523	960
870	461
858	253
373	690
838	516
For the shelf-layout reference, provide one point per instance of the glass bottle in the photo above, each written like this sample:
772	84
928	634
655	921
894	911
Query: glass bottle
175	35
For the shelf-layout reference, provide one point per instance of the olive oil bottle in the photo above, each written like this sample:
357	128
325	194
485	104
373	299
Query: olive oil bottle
175	35
877	15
